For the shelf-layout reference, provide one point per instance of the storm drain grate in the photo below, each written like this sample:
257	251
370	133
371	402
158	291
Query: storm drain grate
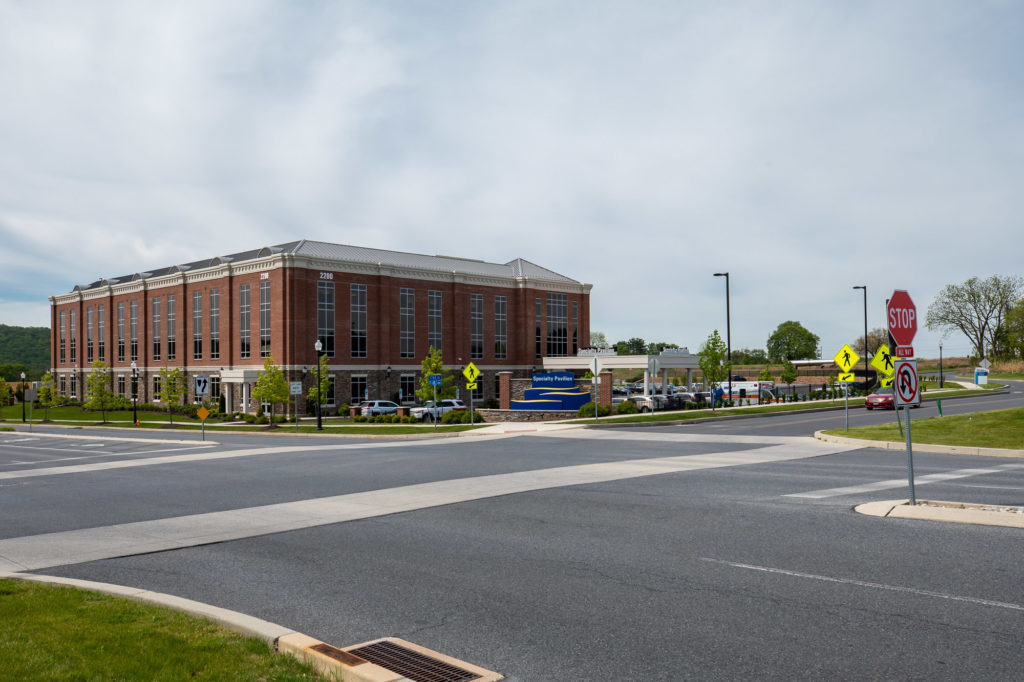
412	664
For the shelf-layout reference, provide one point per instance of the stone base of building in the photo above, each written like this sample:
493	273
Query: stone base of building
526	415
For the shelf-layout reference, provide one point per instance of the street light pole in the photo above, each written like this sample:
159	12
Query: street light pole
135	394
22	397
728	330
940	363
319	422
865	288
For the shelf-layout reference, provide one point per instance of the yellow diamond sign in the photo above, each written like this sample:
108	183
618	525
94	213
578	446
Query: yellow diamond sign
846	358
471	373
883	361
202	413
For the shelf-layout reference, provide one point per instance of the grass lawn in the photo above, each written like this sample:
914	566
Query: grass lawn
995	429
58	633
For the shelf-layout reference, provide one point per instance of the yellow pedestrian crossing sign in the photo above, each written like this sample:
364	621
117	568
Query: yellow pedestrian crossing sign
471	373
471	387
847	378
883	361
846	358
885	382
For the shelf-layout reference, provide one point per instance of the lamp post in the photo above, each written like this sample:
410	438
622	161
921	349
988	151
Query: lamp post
940	363
865	288
728	331
319	422
135	394
22	397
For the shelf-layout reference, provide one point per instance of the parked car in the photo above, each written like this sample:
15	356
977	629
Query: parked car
432	411
882	398
370	408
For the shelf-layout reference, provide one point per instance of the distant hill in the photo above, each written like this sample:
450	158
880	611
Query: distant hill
24	349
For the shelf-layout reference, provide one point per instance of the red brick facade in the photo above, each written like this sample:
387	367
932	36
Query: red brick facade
293	280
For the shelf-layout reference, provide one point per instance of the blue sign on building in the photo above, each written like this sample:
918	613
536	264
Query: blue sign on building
434	379
553	380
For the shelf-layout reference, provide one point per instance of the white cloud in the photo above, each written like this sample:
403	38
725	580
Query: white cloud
803	147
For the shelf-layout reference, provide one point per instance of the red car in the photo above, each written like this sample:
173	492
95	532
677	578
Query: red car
881	398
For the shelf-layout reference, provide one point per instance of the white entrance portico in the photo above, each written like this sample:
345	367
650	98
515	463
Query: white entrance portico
245	377
670	358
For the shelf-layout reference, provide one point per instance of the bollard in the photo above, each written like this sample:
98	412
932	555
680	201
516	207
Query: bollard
939	404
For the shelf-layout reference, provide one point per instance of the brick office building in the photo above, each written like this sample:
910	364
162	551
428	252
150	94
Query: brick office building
375	312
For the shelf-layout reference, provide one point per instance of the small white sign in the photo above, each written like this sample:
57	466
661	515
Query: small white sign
296	387
202	384
985	364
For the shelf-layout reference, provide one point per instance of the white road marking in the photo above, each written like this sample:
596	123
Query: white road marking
90	544
877	586
19	440
902	482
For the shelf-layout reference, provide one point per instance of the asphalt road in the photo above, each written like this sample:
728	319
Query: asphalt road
715	551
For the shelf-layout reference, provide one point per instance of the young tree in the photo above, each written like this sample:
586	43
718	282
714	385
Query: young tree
434	364
48	395
713	363
791	341
5	393
976	308
271	387
98	393
789	373
172	389
323	394
766	374
876	338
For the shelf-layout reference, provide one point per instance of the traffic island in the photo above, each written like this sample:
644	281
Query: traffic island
950	512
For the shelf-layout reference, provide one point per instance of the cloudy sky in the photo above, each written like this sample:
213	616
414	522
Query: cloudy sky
805	147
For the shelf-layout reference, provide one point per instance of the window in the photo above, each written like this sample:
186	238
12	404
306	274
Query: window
575	327
171	329
434	319
358	392
558	325
156	389
357	302
214	324
329	393
63	337
101	325
156	328
74	339
500	327
476	326
133	328
120	385
243	320
88	335
120	332
538	316
264	319
63	386
197	325
478	392
407	322
407	387
74	380
215	387
325	316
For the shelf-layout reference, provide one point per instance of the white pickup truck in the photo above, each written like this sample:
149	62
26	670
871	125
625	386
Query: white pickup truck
432	412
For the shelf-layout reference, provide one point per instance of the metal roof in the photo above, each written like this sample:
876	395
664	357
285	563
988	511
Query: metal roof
514	269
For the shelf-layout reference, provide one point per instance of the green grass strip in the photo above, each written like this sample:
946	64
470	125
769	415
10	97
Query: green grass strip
59	633
994	429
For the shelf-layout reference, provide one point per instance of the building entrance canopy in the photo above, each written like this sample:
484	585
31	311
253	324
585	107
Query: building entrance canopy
673	358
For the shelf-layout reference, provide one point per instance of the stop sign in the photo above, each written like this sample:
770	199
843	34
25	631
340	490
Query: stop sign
902	317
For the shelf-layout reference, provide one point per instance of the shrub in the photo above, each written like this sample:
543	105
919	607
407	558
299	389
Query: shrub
588	410
628	407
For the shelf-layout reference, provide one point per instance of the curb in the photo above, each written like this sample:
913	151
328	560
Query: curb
949	512
329	661
921	447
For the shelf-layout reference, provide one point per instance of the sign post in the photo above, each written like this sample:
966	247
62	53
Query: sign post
471	373
595	369
295	388
435	381
907	392
846	358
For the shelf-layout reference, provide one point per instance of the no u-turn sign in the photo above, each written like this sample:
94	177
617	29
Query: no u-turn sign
906	388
